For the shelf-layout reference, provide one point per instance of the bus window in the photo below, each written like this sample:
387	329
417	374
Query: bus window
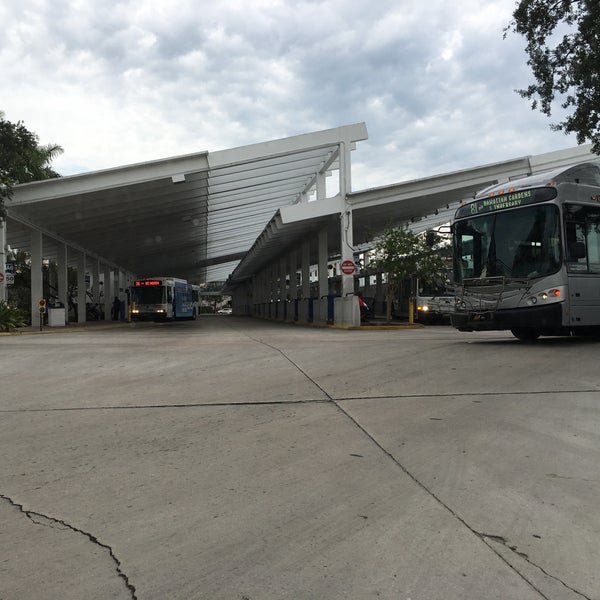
583	239
472	239
466	256
523	243
530	242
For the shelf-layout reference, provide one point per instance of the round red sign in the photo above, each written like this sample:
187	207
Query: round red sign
348	267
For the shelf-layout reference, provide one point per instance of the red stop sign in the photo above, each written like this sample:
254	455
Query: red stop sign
348	267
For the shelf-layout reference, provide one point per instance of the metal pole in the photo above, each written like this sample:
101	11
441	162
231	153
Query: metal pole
2	259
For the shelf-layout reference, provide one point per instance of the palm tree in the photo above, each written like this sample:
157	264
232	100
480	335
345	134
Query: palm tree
39	162
22	158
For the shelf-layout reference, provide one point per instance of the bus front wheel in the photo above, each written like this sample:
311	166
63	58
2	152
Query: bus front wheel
525	335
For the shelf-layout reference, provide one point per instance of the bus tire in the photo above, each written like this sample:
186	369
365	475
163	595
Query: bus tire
526	335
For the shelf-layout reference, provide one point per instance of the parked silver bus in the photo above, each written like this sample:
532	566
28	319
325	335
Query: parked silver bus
526	256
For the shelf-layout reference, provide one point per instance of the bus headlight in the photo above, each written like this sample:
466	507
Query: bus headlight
549	296
423	308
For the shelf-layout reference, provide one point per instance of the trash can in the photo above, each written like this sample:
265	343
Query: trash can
56	317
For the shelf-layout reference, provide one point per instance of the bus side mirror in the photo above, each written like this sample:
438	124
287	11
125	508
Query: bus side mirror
576	250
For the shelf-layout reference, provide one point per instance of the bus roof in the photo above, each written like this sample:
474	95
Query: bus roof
586	173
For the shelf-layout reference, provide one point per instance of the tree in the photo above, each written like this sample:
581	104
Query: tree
19	294
563	46
403	255
22	158
216	300
10	317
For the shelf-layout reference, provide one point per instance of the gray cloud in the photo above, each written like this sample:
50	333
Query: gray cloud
128	82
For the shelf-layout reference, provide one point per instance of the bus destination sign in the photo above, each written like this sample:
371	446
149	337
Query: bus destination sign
504	201
147	283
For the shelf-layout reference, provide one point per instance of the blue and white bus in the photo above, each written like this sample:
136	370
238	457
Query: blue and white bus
163	299
527	256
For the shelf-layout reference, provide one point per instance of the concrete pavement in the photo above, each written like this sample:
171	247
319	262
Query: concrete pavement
239	459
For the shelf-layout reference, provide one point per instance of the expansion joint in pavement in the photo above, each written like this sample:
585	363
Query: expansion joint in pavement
487	539
490	539
325	392
448	508
46	521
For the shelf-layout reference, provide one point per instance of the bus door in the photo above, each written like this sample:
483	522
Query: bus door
170	300
182	305
583	263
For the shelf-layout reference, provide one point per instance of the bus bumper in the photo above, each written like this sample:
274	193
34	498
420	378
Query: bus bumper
151	316
539	318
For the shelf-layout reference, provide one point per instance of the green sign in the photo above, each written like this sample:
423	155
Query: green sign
504	201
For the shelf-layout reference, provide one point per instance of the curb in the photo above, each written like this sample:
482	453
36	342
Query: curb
95	326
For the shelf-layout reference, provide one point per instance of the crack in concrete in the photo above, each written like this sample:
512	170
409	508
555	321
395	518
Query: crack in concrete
46	521
337	403
328	398
487	537
109	407
295	365
483	537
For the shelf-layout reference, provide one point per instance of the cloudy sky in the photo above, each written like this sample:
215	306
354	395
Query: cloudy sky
121	82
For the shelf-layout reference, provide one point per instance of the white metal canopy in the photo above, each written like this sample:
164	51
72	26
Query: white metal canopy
422	203
192	216
207	216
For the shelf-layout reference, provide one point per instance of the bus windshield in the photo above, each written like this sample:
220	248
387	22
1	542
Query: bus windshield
439	287
148	295
521	243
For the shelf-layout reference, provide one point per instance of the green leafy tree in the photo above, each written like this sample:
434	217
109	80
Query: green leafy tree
403	255
216	301
22	158
19	294
10	317
563	46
